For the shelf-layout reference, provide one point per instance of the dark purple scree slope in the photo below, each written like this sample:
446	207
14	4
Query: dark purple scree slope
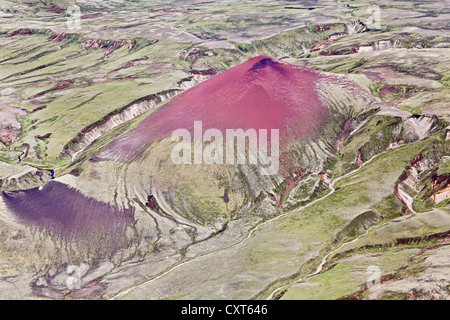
67	214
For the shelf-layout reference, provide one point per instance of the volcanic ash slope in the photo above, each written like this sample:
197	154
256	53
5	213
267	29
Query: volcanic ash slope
312	110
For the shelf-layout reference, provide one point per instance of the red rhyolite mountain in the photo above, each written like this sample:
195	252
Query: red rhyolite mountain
261	93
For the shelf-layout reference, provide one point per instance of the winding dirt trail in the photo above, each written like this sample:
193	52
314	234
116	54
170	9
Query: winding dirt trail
324	260
127	291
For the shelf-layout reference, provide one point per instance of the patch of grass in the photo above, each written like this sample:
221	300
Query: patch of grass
413	110
348	275
390	207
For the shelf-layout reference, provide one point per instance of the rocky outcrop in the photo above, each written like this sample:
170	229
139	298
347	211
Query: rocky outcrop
27	178
9	125
325	177
356	27
195	79
57	37
110	46
405	190
359	157
422	180
441	188
379	45
20	32
322	45
397	131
